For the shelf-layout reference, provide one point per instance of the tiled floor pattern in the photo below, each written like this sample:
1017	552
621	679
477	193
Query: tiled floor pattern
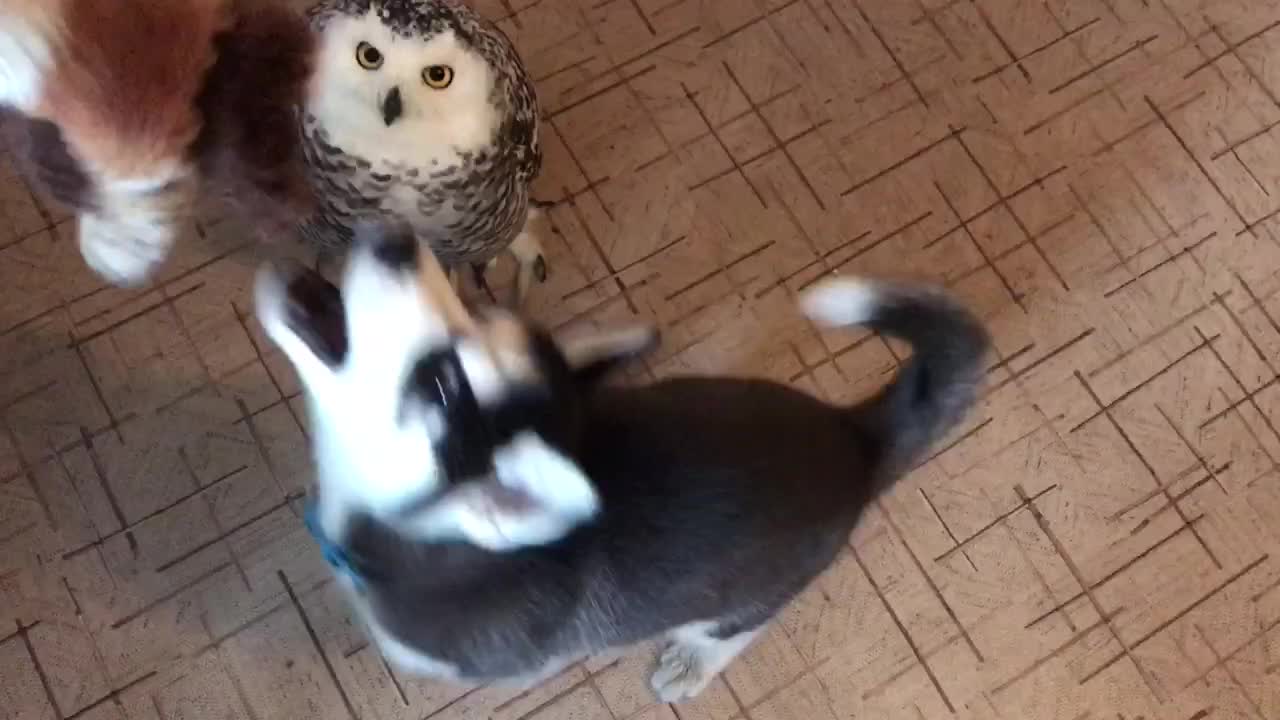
1100	178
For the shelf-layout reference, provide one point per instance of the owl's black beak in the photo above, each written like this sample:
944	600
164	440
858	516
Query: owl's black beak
392	106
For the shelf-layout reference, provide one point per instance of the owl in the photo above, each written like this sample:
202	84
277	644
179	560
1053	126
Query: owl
130	111
421	111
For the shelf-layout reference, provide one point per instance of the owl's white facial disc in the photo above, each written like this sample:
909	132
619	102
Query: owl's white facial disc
351	94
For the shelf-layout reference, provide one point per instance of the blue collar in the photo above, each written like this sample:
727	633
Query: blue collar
333	553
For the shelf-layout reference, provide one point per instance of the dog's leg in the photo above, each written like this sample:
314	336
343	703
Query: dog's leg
531	680
695	654
404	657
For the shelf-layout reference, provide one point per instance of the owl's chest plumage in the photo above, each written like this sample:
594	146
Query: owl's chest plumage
468	206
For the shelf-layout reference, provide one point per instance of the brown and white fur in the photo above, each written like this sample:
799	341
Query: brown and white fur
128	108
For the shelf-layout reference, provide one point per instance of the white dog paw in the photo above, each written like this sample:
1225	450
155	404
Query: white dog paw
681	673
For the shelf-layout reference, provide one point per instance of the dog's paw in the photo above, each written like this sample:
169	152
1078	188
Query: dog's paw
682	673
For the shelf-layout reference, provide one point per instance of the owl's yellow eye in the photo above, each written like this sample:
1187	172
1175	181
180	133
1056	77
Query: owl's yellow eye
438	76
369	57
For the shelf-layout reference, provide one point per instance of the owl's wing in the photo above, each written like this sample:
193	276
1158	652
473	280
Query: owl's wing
522	129
529	160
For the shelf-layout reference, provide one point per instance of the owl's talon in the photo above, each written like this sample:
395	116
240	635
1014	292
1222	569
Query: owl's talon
481	280
531	264
526	273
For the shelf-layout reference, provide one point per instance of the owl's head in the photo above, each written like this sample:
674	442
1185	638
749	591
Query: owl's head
393	75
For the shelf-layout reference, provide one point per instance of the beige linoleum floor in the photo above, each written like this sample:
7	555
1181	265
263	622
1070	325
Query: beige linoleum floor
1100	178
